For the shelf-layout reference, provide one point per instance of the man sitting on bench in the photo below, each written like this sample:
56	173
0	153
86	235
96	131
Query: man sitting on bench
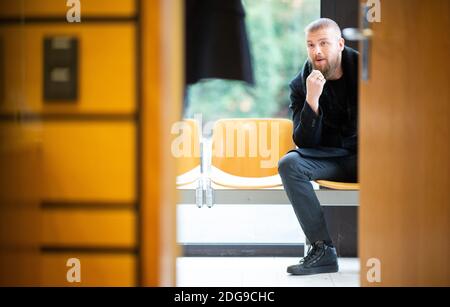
324	104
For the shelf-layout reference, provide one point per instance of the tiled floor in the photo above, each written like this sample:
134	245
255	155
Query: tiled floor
259	272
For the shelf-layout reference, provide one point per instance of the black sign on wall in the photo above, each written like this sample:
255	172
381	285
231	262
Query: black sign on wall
60	69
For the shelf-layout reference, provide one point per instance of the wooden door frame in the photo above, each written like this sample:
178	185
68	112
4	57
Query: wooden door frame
161	33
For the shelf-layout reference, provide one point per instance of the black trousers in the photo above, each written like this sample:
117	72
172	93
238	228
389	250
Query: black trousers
296	173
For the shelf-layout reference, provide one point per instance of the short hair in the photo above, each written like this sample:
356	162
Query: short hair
323	23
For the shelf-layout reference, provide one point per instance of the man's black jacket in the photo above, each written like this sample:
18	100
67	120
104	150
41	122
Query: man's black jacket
317	136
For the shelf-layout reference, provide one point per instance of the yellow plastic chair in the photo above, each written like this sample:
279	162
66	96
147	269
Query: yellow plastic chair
246	151
185	148
335	185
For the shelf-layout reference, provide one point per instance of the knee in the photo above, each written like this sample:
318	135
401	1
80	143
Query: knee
290	164
285	163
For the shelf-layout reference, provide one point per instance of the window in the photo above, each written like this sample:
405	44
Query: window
277	44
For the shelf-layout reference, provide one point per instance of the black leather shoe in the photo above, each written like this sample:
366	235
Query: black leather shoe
321	258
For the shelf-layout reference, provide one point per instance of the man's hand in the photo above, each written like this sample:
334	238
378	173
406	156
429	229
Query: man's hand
314	88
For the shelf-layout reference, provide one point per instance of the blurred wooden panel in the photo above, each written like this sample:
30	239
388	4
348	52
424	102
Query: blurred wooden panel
404	147
20	223
162	96
96	269
88	228
45	8
2	70
89	161
107	72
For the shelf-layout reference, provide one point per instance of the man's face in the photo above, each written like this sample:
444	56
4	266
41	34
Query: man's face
325	50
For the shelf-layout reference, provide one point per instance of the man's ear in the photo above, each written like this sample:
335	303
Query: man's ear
341	43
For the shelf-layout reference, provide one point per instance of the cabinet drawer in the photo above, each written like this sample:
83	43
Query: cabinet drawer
95	269
89	161
88	228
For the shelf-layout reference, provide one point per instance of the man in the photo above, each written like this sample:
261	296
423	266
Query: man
324	105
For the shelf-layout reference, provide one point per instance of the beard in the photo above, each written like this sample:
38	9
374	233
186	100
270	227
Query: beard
330	67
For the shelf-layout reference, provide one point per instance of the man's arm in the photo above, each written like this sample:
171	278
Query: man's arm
307	115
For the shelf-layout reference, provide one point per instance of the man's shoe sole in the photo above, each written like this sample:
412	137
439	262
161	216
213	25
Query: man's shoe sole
315	270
